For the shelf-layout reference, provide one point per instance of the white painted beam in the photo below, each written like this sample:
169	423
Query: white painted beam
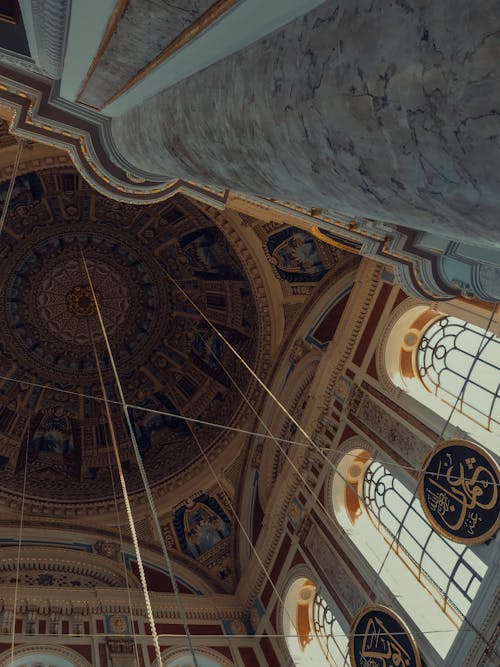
88	22
246	23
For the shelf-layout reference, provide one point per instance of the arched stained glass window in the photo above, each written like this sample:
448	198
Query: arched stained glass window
434	580
445	356
451	572
329	632
315	636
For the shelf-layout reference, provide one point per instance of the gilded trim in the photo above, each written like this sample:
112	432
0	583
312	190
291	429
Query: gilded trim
315	231
114	19
208	17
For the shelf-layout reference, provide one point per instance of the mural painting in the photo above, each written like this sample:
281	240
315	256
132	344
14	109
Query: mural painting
53	448
295	256
200	525
207	254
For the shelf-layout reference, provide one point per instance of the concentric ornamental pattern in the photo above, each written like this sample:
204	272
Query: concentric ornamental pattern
166	354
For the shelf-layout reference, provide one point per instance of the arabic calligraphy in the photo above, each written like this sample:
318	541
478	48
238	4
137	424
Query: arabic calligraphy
380	639
379	644
459	492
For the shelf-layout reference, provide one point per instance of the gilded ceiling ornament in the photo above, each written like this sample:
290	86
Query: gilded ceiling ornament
167	357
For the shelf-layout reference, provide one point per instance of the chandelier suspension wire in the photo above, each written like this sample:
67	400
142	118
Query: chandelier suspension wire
270	393
234	429
227	500
20	146
314	495
128	508
145	482
120	533
285	441
440	438
107	402
20	541
10	190
267	390
277	635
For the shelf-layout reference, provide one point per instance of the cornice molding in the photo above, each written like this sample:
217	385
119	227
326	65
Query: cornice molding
50	20
214	608
104	571
41	115
173	653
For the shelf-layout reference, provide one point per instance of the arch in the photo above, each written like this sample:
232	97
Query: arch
435	580
425	356
43	655
296	401
444	355
57	548
62	567
180	657
314	630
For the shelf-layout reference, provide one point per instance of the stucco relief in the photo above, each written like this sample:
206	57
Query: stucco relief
337	574
58	319
380	422
46	572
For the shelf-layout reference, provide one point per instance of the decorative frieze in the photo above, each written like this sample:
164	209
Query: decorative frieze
389	431
335	571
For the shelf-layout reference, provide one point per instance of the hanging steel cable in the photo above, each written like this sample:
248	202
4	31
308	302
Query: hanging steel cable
145	482
270	393
224	427
120	535
130	517
20	146
20	541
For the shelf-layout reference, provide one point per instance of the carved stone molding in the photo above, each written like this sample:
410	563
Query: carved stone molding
344	341
171	654
335	571
37	164
109	550
52	568
395	315
384	425
115	601
19	62
50	18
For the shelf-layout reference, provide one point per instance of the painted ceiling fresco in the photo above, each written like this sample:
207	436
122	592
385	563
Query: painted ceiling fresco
167	356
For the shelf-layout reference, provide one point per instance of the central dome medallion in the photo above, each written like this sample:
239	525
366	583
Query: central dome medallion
81	301
53	315
168	358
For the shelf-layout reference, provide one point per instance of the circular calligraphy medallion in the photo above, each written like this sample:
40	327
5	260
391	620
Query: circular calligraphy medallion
459	492
379	638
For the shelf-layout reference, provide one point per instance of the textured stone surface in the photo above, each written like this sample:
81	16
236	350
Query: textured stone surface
145	29
336	571
377	109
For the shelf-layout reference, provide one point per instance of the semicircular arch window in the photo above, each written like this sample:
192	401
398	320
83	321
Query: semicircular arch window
315	633
39	659
446	361
434	579
448	369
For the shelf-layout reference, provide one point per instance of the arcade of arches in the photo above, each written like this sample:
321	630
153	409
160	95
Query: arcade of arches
362	324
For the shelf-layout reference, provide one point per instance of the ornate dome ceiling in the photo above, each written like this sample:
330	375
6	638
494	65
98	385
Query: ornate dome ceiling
166	354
